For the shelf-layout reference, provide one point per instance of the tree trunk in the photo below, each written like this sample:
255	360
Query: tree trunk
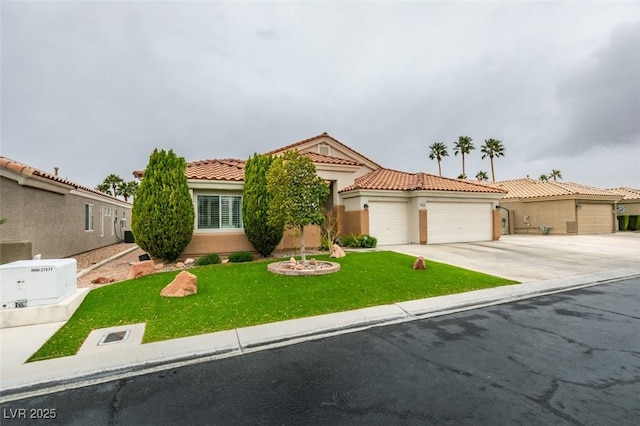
439	168
493	175
302	255
464	174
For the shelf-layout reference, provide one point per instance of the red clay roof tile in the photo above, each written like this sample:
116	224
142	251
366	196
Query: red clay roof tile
387	179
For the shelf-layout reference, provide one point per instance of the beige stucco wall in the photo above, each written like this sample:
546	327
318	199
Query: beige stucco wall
631	208
528	217
54	222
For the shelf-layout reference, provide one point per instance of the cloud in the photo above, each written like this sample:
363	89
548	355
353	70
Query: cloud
602	100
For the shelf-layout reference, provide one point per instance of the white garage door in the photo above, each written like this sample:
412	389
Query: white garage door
459	222
595	219
389	222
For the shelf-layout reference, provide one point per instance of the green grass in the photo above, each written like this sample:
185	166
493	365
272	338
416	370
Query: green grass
240	295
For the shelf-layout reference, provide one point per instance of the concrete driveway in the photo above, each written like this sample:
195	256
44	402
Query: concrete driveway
527	258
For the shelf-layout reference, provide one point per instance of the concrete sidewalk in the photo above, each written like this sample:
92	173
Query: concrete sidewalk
545	265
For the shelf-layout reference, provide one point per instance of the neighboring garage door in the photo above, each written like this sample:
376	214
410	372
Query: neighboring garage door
459	222
595	219
389	222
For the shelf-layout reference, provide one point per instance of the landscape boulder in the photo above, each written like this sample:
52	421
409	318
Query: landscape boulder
102	280
419	263
184	284
159	266
336	251
140	269
189	261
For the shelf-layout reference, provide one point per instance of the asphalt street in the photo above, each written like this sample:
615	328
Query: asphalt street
569	358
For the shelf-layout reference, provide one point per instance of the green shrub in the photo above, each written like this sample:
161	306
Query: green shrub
209	259
367	241
623	223
357	241
263	235
634	223
240	256
162	216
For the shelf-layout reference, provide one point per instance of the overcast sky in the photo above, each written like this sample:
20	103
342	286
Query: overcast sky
93	87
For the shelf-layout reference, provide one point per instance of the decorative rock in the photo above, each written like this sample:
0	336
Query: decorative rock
299	266
102	280
184	284
419	263
292	260
140	269
159	266
189	262
313	262
336	251
180	265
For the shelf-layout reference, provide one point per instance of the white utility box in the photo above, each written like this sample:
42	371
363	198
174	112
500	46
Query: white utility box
27	283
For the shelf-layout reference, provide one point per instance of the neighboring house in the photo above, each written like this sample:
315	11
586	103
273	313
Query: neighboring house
559	207
395	207
629	206
630	203
52	216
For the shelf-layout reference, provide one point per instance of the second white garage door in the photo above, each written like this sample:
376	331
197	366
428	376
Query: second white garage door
459	222
389	222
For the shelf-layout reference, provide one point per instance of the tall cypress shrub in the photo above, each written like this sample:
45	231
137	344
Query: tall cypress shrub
255	206
162	214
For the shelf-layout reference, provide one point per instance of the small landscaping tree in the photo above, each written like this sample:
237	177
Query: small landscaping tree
162	213
263	234
298	194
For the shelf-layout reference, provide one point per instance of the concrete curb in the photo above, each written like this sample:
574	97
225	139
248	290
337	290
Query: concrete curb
43	377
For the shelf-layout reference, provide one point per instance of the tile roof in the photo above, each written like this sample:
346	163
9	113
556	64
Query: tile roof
327	159
226	169
387	179
628	193
26	170
530	188
323	135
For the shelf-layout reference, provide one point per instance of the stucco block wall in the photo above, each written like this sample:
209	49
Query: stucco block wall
53	222
527	218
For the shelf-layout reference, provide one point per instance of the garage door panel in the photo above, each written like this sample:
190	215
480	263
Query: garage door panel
595	219
389	222
459	222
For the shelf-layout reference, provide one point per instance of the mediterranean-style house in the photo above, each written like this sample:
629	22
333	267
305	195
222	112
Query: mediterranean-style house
531	206
395	207
49	215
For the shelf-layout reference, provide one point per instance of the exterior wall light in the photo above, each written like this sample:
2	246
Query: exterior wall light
366	206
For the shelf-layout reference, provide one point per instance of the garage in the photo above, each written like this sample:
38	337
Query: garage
388	222
451	222
595	219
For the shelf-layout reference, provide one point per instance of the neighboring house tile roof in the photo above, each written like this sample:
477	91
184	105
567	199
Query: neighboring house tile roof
226	169
530	188
387	179
26	170
323	135
628	193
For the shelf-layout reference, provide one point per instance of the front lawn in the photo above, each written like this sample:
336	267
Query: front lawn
239	295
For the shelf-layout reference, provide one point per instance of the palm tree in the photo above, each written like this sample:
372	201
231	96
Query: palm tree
462	176
438	150
544	178
462	147
555	174
482	176
492	148
113	181
127	189
104	187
